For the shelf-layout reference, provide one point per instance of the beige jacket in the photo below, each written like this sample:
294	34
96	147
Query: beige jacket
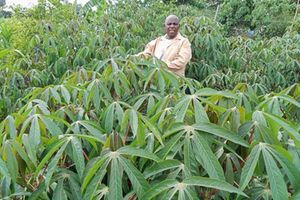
177	55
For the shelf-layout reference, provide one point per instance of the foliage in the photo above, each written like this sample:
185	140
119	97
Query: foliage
264	16
82	119
2	3
223	62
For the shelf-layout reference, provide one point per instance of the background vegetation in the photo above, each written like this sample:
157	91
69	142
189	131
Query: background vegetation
83	119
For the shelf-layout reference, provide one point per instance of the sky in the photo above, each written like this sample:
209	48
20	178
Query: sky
30	3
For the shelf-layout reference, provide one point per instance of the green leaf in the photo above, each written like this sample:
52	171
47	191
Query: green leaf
55	94
267	135
181	108
3	169
78	156
34	133
22	153
286	161
59	193
4	52
47	157
207	158
290	100
96	180
131	151
12	163
249	167
200	113
139	183
220	132
134	122
278	186
212	183
152	128
12	127
53	163
109	118
161	166
30	151
102	164
285	125
187	150
51	126
163	153
159	188
212	92
65	94
75	188
115	180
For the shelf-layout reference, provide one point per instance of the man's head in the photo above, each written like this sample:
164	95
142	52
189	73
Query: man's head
172	26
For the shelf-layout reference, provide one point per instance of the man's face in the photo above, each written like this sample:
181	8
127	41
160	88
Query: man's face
172	27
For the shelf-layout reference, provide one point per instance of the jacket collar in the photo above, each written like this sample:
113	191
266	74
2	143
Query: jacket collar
178	37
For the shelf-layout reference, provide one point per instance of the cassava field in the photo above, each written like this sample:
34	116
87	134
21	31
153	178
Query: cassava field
83	119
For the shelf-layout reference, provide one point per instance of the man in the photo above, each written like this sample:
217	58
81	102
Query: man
172	48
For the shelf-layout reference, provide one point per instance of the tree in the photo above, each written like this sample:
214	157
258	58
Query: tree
2	2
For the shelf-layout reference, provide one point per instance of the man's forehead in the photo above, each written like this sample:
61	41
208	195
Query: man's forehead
172	18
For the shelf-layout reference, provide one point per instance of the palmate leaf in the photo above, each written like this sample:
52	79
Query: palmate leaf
10	125
187	150
3	168
115	180
159	188
285	159
109	118
183	187
51	126
290	100
47	157
152	128
93	129
78	156
59	192
212	92
285	125
96	179
127	150
161	166
17	146
74	186
169	145
53	163
220	132
207	158
182	107
133	119
278	186
249	167
268	135
100	163
29	149
139	183
200	113
11	161
212	183
34	133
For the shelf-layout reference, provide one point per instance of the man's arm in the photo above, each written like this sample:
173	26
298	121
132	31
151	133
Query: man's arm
183	57
149	50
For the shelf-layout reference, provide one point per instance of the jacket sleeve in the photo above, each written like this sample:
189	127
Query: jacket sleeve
149	50
183	57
